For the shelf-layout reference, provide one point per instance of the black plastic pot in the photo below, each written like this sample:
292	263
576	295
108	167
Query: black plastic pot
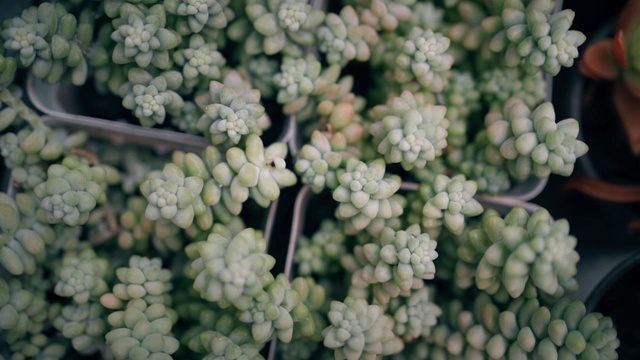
618	296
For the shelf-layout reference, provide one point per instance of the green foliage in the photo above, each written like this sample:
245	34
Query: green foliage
319	161
499	85
258	172
142	38
277	26
538	38
274	312
422	56
141	331
173	196
23	313
195	16
84	325
301	83
409	130
532	142
151	98
320	255
521	253
230	270
360	330
232	110
342	38
236	345
448	202
472	161
81	276
201	61
414	316
524	329
73	189
399	261
50	41
366	195
384	14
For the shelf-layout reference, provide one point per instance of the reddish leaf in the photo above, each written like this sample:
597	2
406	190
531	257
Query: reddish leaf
598	62
620	49
628	108
603	190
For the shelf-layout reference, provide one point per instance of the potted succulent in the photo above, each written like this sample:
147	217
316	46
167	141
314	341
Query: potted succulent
131	254
609	108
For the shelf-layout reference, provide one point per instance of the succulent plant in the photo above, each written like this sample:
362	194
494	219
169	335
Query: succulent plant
274	312
320	255
415	316
261	69
237	345
410	131
422	56
21	249
144	279
280	26
342	38
524	329
173	196
83	325
365	194
257	171
231	271
8	68
49	40
141	330
200	62
195	15
23	312
474	25
499	85
73	189
472	162
521	252
384	14
462	101
151	98
399	261
141	36
232	110
319	161
449	201
302	84
81	276
359	330
538	38
140	234
187	119
532	142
